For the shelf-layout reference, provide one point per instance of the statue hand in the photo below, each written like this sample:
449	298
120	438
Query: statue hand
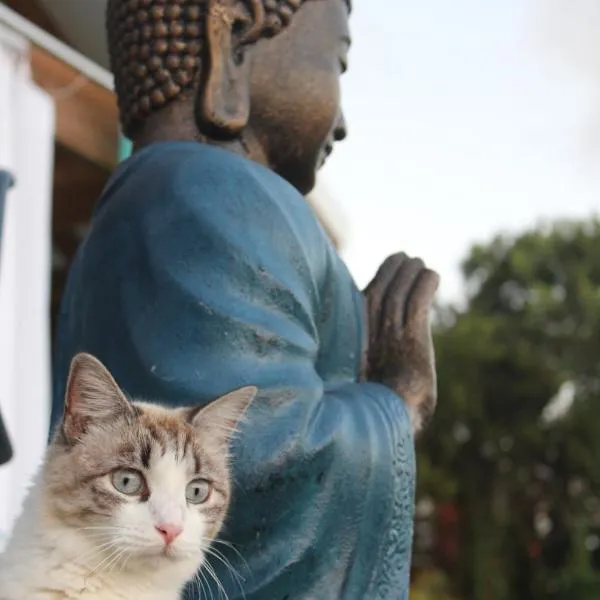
400	351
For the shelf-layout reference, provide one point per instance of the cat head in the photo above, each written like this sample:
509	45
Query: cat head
136	480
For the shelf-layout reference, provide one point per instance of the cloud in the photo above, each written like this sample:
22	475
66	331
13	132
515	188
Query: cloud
568	32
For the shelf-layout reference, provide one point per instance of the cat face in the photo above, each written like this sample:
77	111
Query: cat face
138	484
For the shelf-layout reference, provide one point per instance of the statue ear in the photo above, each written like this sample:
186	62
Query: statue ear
223	104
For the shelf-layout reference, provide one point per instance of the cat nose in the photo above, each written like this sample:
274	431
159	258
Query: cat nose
168	531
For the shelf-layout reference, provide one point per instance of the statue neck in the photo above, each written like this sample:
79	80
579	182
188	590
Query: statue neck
177	122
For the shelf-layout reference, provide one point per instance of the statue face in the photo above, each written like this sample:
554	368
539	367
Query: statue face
295	109
278	101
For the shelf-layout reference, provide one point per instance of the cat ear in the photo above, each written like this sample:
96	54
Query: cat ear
92	395
219	419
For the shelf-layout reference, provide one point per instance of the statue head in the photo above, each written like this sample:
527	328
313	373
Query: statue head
258	76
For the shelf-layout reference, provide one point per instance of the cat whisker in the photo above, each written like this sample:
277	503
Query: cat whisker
199	585
208	585
127	558
96	551
114	532
104	561
108	529
116	562
200	580
97	534
109	566
212	573
103	527
231	547
111	551
235	574
102	537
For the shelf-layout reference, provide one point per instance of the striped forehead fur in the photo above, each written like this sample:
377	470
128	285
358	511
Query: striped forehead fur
103	431
72	472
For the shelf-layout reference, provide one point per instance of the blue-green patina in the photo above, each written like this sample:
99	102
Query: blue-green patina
204	271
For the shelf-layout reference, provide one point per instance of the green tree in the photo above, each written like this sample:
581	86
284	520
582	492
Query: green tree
526	486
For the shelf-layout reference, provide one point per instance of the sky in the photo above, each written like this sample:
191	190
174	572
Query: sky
466	118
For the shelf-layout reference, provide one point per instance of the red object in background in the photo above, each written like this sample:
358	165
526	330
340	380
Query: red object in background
534	549
447	542
447	514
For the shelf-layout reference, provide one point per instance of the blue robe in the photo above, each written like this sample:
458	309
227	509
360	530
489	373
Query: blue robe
203	272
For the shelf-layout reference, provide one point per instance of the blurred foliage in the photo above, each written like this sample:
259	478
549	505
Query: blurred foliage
431	585
514	446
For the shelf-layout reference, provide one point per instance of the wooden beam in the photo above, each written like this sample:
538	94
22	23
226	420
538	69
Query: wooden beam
87	119
32	11
78	183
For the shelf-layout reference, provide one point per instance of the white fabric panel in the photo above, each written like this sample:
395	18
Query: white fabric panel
27	152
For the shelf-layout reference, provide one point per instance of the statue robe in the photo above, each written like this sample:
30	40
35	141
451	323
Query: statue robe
203	272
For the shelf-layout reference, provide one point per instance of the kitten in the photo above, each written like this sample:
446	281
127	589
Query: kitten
129	497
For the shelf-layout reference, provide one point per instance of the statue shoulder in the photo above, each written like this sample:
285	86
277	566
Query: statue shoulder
173	173
195	201
203	188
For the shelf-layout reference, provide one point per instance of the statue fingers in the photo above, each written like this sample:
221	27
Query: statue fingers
394	308
420	302
377	289
418	381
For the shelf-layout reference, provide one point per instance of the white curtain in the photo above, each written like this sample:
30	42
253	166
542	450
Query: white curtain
27	152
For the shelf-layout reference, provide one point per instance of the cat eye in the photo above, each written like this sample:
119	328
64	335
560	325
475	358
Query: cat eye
127	481
197	491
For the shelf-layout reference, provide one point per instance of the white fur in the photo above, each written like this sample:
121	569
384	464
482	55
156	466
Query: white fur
47	560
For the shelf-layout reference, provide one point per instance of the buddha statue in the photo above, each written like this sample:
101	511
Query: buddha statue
205	270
